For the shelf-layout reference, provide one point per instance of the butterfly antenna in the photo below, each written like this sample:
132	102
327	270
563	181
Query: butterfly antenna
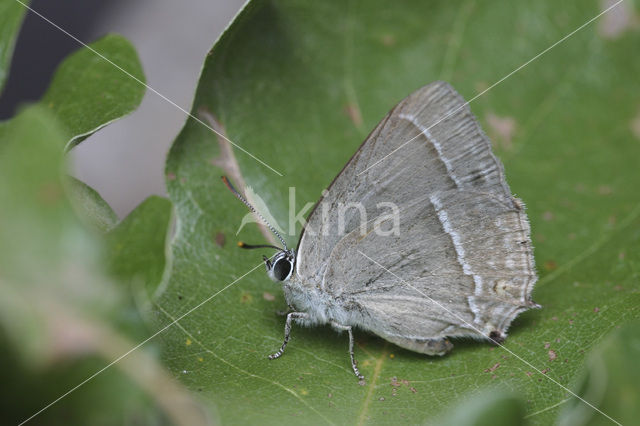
246	203
255	246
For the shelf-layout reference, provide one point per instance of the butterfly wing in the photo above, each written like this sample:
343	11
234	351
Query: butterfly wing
459	261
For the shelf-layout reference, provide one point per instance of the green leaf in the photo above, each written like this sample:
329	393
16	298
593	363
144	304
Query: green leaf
11	15
488	408
610	382
90	205
95	86
135	256
299	85
136	247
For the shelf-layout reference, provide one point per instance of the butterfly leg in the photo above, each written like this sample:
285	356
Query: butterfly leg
287	331
353	361
285	313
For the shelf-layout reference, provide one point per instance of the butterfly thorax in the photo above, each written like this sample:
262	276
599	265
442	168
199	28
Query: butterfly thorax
322	307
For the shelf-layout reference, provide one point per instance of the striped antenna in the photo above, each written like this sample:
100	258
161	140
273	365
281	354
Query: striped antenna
246	203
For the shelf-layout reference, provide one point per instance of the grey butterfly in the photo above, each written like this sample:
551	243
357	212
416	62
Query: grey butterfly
460	262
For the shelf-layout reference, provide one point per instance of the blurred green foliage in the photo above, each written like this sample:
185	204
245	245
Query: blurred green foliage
57	300
63	312
299	85
609	380
11	15
488	408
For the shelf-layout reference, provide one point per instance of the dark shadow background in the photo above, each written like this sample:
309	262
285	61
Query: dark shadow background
41	47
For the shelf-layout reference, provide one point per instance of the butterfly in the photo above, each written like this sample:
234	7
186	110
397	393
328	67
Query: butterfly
452	257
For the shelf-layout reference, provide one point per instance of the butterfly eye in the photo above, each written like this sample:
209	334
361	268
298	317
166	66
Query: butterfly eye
282	269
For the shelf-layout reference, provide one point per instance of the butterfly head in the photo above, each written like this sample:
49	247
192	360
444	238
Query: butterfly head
280	266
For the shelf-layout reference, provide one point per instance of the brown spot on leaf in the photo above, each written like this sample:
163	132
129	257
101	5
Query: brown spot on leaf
617	20
552	355
413	389
493	368
501	129
171	176
604	190
529	373
596	309
353	112
548	216
635	125
550	265
545	371
547	345
388	40
481	86
567	203
220	239
268	296
246	297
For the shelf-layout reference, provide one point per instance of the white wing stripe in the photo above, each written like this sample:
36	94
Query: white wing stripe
435	144
457	245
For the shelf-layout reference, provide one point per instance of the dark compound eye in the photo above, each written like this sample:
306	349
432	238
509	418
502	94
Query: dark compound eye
281	269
